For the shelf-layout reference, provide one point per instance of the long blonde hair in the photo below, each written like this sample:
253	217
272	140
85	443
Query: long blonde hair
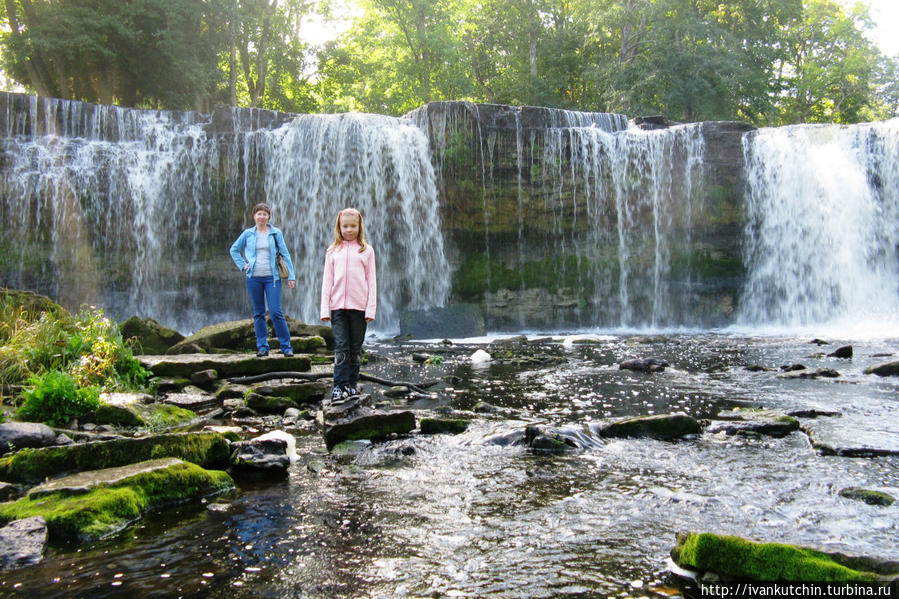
338	238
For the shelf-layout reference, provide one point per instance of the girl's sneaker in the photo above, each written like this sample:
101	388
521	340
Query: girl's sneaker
337	393
350	391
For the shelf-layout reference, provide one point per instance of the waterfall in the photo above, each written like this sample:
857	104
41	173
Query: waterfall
821	238
134	210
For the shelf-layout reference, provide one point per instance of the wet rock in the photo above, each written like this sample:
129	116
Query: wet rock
298	392
885	369
813	413
736	558
64	439
397	391
268	404
171	385
666	427
792	367
758	368
537	438
8	491
22	542
204	378
869	496
131	410
149	336
483	407
373	426
192	398
841	352
753	422
845	440
18	435
94	504
227	365
209	450
435	426
807	373
817	341
262	455
420	358
644	365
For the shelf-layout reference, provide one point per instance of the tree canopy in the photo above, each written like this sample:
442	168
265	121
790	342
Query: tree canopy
768	62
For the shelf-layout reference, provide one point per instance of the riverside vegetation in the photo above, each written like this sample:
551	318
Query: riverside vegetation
98	471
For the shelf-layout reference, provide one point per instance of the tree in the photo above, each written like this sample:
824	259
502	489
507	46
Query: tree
141	52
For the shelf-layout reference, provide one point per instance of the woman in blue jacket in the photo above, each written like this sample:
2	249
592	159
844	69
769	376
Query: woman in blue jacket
255	252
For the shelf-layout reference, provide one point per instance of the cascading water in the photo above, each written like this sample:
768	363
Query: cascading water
821	238
134	209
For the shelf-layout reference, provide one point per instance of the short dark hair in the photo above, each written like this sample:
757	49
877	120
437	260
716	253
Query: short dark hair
262	206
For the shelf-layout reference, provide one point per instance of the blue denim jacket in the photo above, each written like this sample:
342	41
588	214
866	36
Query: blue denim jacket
246	243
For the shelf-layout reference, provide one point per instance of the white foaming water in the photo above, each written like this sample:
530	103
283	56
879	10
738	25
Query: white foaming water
821	235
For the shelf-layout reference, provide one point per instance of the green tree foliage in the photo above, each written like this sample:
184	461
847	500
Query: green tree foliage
768	62
139	52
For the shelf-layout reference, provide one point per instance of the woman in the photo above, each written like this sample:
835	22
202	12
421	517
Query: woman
261	245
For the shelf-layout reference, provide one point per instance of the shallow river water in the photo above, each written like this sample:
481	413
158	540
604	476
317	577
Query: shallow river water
461	516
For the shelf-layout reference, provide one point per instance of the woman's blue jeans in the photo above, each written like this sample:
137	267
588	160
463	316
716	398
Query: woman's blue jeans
349	333
262	289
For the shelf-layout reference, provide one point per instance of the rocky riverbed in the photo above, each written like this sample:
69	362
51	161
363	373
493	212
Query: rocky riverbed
537	466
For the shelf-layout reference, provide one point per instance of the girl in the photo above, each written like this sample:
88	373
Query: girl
261	244
349	298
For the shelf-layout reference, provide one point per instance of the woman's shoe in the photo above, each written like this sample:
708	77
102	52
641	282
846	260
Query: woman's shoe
261	353
288	353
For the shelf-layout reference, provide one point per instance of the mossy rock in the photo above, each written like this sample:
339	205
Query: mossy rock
156	416
100	509
150	336
238	335
868	496
754	422
663	426
374	427
737	558
33	304
227	365
266	403
301	345
435	426
301	393
210	450
884	369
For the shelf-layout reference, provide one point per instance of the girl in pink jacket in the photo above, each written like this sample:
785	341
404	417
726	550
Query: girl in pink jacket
349	298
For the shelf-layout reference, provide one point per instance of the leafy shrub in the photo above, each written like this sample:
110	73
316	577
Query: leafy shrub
88	346
55	398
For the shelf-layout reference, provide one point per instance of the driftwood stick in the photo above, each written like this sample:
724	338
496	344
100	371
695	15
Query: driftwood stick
269	376
288	374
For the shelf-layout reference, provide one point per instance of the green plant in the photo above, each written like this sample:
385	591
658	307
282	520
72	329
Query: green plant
55	398
434	360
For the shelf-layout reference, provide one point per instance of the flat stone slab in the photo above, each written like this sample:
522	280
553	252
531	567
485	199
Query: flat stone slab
373	426
226	365
191	401
753	422
867	438
660	426
22	542
83	482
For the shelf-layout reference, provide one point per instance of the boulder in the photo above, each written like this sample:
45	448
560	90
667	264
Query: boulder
666	427
267	454
753	422
138	414
453	321
18	435
9	492
149	336
841	352
238	335
809	373
869	496
644	365
95	504
265	403
209	450
33	304
736	558
435	426
22	542
374	426
884	369
300	393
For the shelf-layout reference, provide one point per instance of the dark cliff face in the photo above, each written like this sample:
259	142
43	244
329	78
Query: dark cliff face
549	218
568	219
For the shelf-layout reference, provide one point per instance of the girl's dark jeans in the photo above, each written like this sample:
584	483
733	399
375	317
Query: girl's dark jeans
349	332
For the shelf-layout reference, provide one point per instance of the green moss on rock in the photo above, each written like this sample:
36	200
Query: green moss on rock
868	496
739	558
107	509
209	450
434	426
155	416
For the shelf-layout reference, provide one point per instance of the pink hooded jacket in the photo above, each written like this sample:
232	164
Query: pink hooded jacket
349	281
